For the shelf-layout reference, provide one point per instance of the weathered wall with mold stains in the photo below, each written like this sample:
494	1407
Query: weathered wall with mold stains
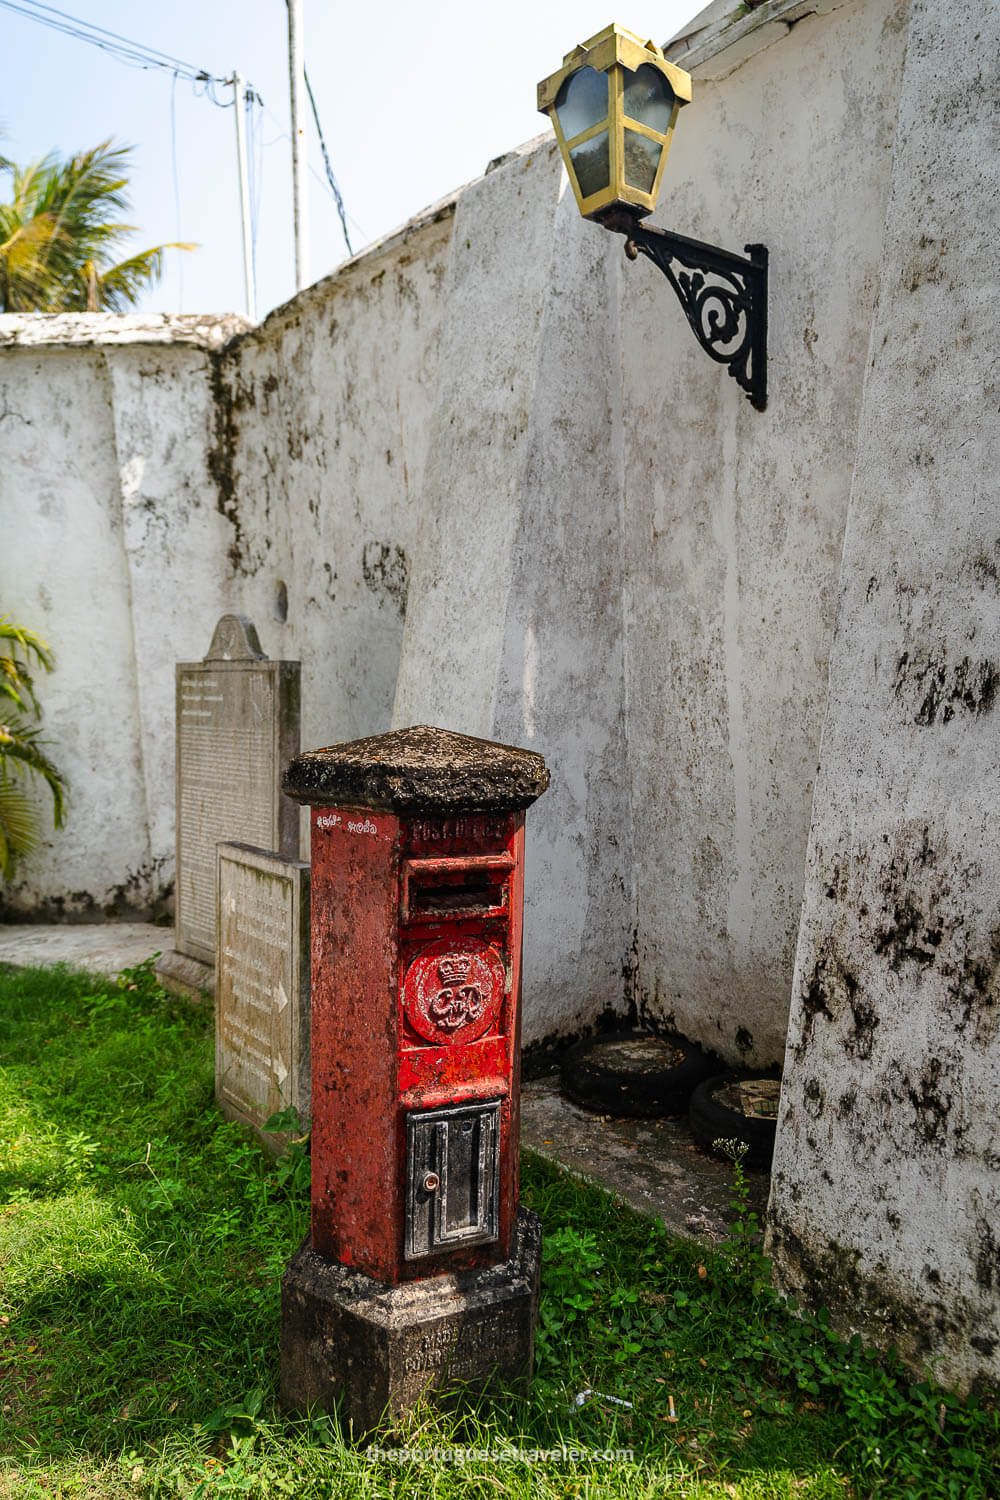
886	1197
616	550
322	429
514	628
734	519
157	472
108	534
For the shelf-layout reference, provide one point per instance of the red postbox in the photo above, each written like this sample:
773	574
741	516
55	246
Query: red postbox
417	885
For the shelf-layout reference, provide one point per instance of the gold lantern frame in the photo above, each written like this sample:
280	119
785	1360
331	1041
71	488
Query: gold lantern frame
723	295
612	52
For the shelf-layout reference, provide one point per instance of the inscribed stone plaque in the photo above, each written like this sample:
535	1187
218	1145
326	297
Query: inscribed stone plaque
261	985
237	729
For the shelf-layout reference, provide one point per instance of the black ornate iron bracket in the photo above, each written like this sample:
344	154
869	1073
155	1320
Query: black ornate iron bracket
727	314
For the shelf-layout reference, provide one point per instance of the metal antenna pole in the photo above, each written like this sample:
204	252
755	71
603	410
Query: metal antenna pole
249	288
296	71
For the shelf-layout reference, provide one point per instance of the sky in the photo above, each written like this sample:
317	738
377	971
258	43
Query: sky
414	101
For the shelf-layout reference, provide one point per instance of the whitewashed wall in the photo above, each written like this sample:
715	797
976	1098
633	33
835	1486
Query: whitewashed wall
623	564
886	1200
323	424
104	432
496	426
734	518
157	472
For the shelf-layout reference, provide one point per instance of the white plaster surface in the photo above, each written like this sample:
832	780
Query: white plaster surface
734	518
885	1199
63	573
724	35
323	423
174	539
514	629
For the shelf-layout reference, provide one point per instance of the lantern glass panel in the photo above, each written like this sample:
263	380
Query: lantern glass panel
642	157
582	102
648	97
592	164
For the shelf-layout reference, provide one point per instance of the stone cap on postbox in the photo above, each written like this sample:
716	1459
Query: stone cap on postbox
421	769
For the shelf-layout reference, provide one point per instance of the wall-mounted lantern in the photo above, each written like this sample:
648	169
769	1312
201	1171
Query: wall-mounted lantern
613	105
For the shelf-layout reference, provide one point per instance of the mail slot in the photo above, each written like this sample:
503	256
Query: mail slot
477	885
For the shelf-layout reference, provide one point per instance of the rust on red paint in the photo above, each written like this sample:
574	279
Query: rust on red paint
433	1071
416	987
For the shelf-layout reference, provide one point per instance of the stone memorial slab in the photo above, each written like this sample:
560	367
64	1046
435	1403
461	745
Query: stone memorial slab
237	728
261	986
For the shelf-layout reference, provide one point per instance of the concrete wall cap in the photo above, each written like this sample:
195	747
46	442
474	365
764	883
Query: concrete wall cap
723	35
420	769
87	330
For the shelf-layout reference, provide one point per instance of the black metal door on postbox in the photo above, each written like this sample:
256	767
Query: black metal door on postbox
452	1177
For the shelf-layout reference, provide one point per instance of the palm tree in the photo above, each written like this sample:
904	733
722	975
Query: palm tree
20	744
59	236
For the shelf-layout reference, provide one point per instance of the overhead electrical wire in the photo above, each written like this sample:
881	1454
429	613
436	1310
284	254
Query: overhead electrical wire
119	46
282	135
138	55
326	162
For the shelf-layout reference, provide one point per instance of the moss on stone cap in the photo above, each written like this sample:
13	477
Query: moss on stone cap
418	770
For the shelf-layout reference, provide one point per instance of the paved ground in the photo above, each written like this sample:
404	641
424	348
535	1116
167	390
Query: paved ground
104	948
653	1164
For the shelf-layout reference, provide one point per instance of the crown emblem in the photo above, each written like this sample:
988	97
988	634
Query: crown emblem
454	989
454	969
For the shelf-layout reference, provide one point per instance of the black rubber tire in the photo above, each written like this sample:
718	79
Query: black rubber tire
711	1120
589	1077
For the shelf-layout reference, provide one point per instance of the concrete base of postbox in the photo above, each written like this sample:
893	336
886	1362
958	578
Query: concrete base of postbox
373	1351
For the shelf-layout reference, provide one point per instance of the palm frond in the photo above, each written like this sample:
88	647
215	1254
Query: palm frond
25	278
30	643
20	750
118	287
21	743
16	678
18	825
61	236
17	683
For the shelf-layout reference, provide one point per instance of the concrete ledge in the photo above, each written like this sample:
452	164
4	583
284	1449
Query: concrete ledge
727	35
185	976
84	330
652	1165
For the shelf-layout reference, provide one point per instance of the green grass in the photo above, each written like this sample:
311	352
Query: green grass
142	1241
